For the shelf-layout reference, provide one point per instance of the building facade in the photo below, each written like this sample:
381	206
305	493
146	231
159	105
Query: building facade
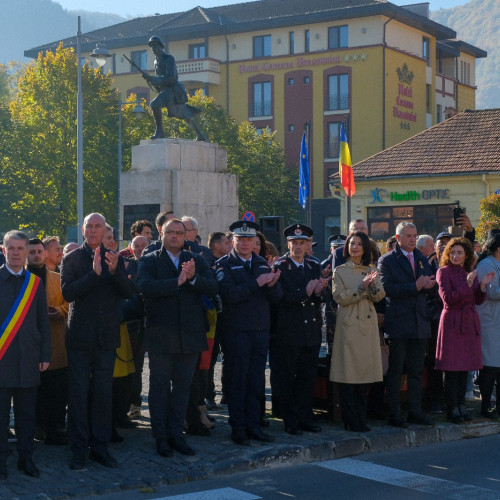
388	72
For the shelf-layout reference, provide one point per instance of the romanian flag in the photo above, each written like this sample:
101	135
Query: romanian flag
345	165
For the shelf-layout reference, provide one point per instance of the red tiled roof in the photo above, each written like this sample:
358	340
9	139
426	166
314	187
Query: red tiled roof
466	143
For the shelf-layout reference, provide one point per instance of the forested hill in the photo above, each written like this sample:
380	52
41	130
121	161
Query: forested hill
29	23
478	23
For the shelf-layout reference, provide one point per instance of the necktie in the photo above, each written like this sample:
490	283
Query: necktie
412	262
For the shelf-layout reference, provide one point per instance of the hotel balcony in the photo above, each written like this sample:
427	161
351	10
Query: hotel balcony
199	71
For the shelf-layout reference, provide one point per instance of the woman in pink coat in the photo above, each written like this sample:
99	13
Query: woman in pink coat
459	337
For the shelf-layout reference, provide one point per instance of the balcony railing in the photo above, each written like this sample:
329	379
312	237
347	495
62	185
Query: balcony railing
332	148
199	70
335	102
261	108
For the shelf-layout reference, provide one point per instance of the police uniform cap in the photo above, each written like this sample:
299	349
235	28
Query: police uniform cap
298	232
156	39
337	240
444	234
244	228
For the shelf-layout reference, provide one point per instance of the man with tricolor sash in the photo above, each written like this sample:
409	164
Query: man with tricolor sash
24	349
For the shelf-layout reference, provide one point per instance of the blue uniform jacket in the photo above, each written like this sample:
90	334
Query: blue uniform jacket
245	305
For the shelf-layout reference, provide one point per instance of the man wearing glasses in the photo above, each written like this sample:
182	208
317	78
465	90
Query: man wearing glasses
173	281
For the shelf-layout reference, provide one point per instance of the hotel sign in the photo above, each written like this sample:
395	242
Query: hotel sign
404	105
302	62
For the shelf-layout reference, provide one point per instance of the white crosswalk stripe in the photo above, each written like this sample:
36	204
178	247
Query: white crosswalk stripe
218	494
410	480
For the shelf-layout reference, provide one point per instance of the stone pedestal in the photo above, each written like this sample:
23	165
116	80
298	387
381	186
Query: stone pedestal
188	177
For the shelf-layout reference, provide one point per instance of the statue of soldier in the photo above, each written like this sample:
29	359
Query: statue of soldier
171	93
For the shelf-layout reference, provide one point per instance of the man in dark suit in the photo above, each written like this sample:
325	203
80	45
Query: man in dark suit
246	285
93	280
407	278
298	329
24	350
173	281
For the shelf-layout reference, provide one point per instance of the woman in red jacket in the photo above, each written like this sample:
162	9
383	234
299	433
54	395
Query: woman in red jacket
459	337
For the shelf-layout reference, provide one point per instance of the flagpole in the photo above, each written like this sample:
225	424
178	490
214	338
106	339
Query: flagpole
348	198
307	127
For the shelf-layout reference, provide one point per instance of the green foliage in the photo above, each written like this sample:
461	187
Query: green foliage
39	173
266	185
490	216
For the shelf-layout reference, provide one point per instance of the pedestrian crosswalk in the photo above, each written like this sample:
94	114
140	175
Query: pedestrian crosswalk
410	480
217	494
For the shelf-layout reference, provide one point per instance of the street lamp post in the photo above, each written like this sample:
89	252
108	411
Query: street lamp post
101	54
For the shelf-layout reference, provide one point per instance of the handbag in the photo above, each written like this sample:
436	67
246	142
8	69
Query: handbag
384	350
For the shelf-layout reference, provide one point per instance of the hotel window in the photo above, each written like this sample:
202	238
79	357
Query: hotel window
338	92
439	113
291	81
139	57
262	46
333	143
291	41
197	51
337	37
261	105
307	40
464	73
427	98
426	50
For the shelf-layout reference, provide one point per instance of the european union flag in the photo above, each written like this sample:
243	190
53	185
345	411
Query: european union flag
304	173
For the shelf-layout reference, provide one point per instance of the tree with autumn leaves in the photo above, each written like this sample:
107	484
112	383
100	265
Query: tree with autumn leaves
38	148
490	216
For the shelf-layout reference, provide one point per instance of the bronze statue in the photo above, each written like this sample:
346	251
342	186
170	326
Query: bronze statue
171	93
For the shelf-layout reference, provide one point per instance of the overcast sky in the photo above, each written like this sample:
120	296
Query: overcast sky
135	9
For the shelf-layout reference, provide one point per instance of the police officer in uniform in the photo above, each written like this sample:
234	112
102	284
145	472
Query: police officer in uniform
299	330
246	286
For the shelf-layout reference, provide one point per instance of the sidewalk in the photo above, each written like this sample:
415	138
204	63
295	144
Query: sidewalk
141	467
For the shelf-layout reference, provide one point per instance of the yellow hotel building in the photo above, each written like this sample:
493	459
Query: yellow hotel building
388	72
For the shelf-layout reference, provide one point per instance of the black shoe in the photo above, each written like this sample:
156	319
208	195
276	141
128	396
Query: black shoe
126	423
454	416
356	427
397	421
223	400
77	462
240	437
489	413
310	427
200	430
39	434
105	459
264	422
211	405
259	435
56	439
420	419
3	471
464	413
179	444
28	467
115	437
294	431
163	448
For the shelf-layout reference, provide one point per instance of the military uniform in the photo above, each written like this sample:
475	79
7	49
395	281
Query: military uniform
298	338
245	319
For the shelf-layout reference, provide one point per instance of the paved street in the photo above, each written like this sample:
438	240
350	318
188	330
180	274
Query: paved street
140	468
466	469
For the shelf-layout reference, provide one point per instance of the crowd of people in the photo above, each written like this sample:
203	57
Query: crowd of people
77	323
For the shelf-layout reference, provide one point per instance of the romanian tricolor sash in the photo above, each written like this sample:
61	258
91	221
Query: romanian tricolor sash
18	311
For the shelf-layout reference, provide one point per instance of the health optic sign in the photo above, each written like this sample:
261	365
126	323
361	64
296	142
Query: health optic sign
249	216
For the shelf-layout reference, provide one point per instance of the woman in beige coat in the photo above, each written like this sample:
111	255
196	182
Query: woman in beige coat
356	358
